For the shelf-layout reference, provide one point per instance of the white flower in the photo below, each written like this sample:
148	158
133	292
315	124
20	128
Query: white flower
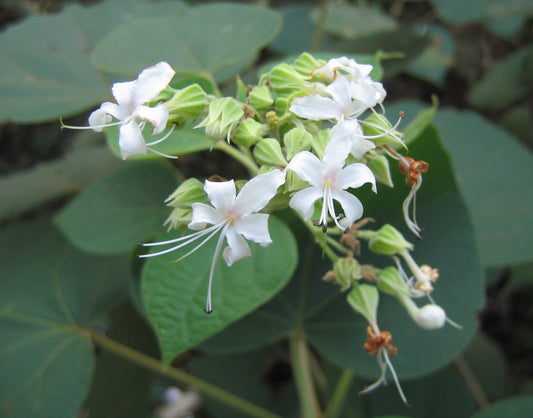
131	111
328	180
234	215
346	66
430	316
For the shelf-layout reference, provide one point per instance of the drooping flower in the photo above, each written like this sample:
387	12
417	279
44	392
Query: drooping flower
328	180
132	113
234	215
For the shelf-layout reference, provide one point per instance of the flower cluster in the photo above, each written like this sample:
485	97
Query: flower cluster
309	134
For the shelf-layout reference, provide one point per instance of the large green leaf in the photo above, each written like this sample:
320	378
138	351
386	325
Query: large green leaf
518	406
350	22
493	171
121	388
53	179
262	376
216	40
49	291
174	294
120	209
505	83
336	330
45	66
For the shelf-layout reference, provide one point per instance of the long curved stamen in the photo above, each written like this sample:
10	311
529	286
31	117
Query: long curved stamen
161	153
448	320
90	127
201	244
183	238
388	132
208	307
157	141
394	376
324	214
331	208
183	244
412	224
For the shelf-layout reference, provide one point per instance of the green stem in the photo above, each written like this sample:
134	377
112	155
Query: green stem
302	374
471	381
237	155
339	394
200	385
315	44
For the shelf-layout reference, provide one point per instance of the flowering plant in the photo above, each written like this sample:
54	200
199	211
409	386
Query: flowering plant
287	243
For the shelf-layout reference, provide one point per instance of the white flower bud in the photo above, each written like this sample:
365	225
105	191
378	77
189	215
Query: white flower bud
430	317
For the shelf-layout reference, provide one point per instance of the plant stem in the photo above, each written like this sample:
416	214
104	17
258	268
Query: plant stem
339	394
471	381
317	37
237	155
156	366
302	374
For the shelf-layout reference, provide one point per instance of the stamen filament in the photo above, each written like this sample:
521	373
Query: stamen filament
208	306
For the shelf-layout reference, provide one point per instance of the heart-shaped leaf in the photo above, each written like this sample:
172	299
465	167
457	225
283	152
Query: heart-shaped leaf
49	291
120	209
174	294
216	41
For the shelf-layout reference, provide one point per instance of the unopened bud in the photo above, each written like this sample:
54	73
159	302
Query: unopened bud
364	299
187	103
249	132
305	64
430	317
296	140
222	117
346	270
391	282
189	192
179	218
261	98
389	241
285	80
268	151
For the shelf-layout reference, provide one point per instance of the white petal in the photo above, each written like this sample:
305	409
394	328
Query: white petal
203	214
308	167
303	201
157	116
340	91
221	194
355	175
237	247
316	107
255	194
351	206
361	146
130	140
98	118
122	92
430	317
151	81
115	110
254	228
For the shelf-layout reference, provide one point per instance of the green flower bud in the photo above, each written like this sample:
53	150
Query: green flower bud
319	142
187	103
179	218
261	98
296	140
391	282
249	132
305	64
268	151
364	299
282	104
285	80
381	130
379	164
293	182
272	119
223	116
389	241
346	270
189	192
